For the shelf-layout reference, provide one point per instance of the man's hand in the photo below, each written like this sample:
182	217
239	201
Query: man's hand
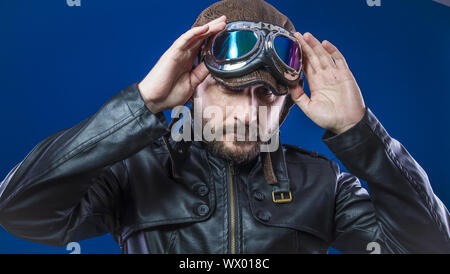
171	82
336	103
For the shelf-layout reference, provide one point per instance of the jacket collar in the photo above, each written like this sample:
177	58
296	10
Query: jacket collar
274	163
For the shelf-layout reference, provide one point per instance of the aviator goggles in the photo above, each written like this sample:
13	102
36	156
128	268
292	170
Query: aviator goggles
245	46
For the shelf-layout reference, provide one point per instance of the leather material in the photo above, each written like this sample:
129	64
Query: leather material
249	10
260	76
112	173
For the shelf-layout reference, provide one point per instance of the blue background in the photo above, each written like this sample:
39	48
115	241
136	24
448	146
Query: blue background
59	64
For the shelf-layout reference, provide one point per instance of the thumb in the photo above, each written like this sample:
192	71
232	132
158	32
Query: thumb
299	96
198	74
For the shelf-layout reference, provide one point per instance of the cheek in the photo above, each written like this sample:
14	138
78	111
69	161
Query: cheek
214	100
274	111
276	104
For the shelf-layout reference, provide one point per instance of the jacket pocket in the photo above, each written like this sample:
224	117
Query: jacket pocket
155	199
311	211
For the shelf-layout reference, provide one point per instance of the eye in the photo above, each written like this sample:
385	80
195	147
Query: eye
265	94
215	82
264	91
219	85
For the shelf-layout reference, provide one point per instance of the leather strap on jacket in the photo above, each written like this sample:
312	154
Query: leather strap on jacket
275	173
176	154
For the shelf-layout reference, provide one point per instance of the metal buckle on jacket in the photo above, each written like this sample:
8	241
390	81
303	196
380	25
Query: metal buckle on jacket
280	197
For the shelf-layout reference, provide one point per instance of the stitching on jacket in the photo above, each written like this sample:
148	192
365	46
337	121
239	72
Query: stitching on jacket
75	152
141	109
94	140
172	238
353	146
419	188
131	229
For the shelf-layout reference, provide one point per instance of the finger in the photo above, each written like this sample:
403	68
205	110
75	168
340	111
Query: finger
198	75
311	60
213	29
324	42
323	55
196	45
186	38
336	54
307	66
299	96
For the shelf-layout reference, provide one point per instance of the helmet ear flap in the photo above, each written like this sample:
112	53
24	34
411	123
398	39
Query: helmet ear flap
286	109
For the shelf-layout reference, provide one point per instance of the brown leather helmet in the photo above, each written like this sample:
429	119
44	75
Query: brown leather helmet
250	10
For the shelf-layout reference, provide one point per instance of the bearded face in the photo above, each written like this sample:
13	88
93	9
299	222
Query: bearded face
240	121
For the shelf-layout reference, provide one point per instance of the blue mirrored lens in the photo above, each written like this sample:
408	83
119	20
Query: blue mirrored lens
234	44
288	51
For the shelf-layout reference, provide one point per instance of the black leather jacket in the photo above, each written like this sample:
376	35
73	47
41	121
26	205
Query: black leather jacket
112	173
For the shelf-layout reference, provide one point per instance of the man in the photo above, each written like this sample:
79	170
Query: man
120	171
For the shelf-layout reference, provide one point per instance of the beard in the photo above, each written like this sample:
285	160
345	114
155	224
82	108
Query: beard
235	151
238	151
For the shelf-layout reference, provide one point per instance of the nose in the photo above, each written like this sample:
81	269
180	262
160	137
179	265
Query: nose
250	103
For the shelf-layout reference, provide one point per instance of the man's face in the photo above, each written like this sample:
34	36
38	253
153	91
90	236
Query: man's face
252	107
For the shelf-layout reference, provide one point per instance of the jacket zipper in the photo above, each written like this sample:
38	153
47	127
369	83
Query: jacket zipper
232	210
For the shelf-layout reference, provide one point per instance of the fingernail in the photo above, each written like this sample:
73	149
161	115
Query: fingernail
220	18
215	20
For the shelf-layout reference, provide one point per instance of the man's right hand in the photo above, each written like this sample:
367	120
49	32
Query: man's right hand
171	82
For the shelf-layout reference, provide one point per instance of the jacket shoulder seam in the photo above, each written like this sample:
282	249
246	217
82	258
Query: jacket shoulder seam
310	153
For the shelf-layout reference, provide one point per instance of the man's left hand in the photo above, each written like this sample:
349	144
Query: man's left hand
336	103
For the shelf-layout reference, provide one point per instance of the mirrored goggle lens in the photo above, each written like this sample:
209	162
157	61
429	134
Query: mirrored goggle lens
233	44
288	51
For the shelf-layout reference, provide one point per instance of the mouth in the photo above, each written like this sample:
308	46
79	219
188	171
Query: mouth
244	137
239	137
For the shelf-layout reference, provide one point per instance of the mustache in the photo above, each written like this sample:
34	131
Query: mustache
243	131
254	131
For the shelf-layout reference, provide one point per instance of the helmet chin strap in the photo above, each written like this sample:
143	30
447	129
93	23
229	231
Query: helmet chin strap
276	175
